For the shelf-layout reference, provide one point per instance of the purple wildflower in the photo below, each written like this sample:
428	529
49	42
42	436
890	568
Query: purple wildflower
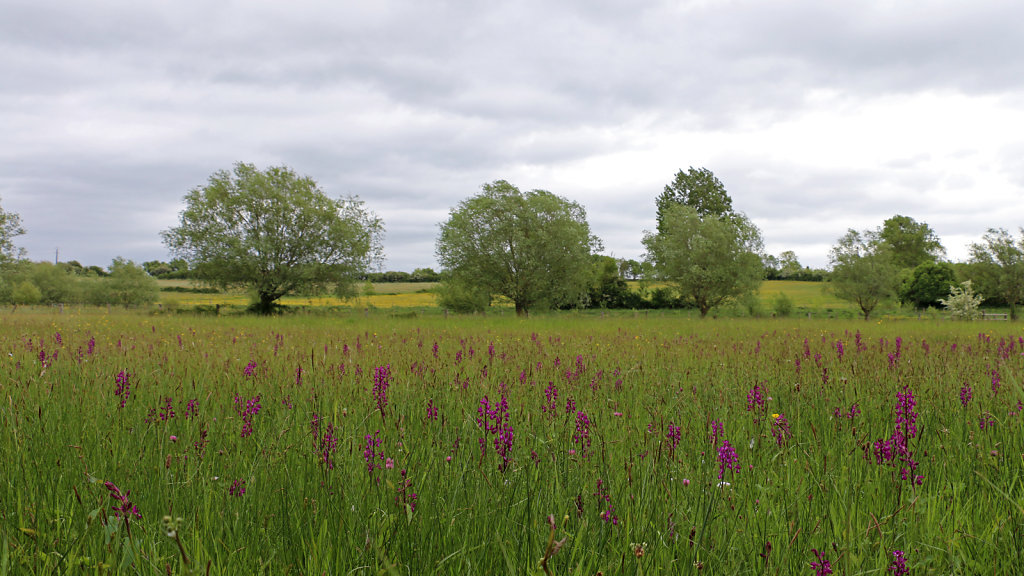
582	435
370	454
608	514
755	401
123	387
550	396
381	381
986	420
237	488
247	411
780	429
898	566
431	410
821	566
125	507
324	441
966	393
675	435
191	409
727	460
717	431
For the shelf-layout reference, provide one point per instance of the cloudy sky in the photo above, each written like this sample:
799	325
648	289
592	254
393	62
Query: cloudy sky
817	116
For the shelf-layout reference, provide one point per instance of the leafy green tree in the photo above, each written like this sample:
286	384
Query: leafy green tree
609	289
697	188
863	271
130	285
26	293
962	302
789	264
462	297
910	243
424	275
927	284
782	304
533	248
707	259
997	267
274	232
56	283
630	269
10	228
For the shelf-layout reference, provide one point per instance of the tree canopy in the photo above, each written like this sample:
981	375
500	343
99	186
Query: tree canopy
928	284
697	188
997	267
910	243
533	248
708	259
10	228
863	271
274	232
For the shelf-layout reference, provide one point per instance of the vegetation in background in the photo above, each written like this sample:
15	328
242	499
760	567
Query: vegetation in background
927	284
707	252
863	271
533	248
274	232
963	303
997	267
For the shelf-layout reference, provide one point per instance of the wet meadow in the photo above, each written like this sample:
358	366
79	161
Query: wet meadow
561	444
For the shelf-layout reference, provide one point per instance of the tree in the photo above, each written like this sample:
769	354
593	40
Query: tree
862	271
997	266
130	285
609	289
56	284
274	232
928	284
630	269
699	189
963	303
910	243
708	259
10	228
533	248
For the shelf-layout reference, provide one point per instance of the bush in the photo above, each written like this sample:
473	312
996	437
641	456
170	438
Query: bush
963	303
782	305
461	297
26	293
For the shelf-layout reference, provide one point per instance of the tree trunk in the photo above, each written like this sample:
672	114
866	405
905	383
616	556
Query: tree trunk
521	309
265	304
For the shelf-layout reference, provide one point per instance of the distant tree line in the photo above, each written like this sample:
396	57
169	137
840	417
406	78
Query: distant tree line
123	284
273	232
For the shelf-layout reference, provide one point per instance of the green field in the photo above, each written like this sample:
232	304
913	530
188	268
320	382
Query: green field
355	444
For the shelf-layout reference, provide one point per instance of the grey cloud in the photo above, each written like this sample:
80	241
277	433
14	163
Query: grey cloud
113	111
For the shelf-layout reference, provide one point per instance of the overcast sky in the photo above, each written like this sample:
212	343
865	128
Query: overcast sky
818	116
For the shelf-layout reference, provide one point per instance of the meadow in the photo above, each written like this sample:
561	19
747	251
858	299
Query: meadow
356	443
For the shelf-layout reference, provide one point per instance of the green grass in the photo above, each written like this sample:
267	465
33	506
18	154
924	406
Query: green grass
313	506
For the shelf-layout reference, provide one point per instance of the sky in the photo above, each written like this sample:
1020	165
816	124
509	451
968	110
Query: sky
817	116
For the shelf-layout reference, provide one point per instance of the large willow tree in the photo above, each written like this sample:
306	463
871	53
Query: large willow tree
273	232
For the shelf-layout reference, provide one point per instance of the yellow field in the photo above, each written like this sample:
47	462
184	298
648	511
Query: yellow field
806	295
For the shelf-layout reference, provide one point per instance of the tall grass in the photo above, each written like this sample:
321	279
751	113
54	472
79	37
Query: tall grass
605	424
